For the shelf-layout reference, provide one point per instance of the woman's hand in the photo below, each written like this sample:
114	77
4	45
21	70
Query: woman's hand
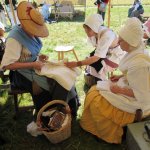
43	57
37	65
115	78
71	64
115	89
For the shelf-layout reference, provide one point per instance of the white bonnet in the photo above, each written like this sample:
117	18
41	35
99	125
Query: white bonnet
94	21
132	32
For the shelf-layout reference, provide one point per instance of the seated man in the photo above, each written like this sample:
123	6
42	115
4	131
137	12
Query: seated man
136	10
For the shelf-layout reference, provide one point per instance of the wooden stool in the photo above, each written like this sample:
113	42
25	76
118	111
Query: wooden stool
63	49
15	93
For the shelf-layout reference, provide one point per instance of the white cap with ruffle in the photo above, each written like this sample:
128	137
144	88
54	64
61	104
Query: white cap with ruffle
94	22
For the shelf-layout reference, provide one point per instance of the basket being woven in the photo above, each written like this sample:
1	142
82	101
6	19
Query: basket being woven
65	131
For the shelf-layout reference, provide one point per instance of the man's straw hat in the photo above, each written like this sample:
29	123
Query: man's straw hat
31	20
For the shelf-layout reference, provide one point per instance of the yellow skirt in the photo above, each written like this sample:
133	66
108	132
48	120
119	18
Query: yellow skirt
103	119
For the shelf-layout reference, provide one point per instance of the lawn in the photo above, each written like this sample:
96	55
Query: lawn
65	32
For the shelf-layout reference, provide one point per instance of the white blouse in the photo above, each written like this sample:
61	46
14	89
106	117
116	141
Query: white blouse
138	79
104	45
14	52
104	42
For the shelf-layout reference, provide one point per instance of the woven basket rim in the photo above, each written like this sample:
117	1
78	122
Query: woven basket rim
62	128
52	103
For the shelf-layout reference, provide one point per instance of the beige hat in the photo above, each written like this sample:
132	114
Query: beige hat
31	20
94	22
132	32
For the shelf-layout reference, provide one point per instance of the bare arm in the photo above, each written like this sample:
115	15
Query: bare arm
87	61
26	65
125	91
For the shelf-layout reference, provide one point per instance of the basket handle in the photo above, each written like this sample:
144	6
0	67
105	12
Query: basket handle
49	104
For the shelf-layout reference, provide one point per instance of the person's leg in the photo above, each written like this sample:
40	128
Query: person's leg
74	102
103	15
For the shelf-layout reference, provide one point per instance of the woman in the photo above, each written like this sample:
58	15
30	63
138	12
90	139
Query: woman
22	56
106	111
107	53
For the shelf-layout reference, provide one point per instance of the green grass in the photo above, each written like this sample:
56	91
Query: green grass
65	32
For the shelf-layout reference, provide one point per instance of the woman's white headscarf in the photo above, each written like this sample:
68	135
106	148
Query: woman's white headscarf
132	32
94	22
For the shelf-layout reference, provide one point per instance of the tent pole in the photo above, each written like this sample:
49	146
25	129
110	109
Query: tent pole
109	7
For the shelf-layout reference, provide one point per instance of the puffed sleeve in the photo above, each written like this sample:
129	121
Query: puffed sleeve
104	43
12	52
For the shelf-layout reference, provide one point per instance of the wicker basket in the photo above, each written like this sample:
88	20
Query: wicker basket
65	131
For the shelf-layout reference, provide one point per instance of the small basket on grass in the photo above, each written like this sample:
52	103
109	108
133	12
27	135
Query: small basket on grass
64	131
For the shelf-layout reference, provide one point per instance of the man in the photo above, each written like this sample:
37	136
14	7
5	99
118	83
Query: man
136	10
101	4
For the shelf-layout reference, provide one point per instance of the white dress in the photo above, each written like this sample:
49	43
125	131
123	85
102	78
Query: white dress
104	46
136	69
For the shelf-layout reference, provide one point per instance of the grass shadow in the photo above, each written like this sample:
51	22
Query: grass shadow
16	137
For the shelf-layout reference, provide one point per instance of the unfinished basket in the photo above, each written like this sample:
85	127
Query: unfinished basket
65	131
